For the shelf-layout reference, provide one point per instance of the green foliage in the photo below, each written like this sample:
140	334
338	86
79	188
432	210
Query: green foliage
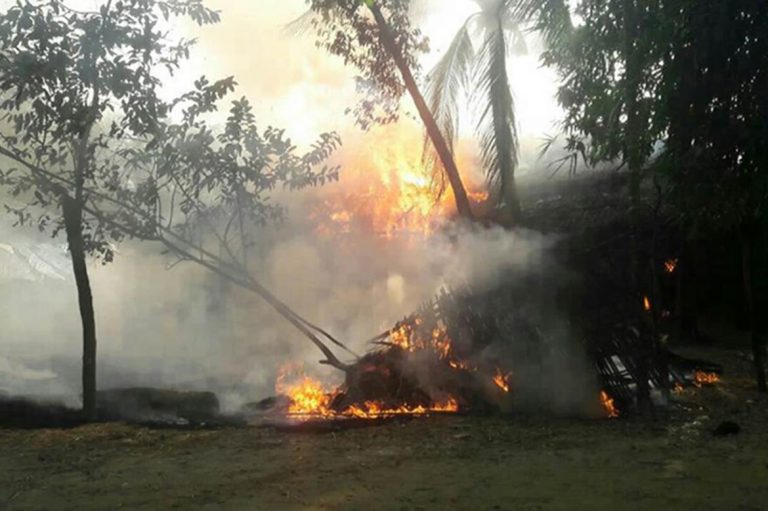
444	91
482	72
597	91
213	188
714	89
83	117
346	29
449	80
550	18
73	86
497	125
684	80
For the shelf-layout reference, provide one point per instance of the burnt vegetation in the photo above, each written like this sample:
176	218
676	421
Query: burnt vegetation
612	295
661	219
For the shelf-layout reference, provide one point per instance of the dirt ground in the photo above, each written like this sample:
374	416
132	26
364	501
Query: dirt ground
512	463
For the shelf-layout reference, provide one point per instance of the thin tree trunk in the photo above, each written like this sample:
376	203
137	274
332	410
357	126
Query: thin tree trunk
758	350
73	214
688	321
633	150
635	160
660	354
433	131
632	153
504	131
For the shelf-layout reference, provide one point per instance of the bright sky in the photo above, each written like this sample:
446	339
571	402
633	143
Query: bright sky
299	87
294	85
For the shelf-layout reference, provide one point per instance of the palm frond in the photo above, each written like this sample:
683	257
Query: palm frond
516	39
302	25
497	127
443	91
574	148
551	18
547	142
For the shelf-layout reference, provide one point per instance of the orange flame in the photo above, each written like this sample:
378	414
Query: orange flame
646	304
401	337
670	265
308	396
406	338
461	365
702	378
502	380
311	399
373	409
389	190
608	405
409	339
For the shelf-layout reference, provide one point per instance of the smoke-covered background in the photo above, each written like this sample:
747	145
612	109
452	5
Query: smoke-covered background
188	329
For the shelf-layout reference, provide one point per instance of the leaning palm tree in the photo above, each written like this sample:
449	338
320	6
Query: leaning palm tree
482	71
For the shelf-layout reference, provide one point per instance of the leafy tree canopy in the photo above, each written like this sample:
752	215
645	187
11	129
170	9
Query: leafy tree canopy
84	118
347	29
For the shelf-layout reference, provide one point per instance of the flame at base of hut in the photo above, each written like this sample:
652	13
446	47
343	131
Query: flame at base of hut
609	406
702	378
309	399
415	369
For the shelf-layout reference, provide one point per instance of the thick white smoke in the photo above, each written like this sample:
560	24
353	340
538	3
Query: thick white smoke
187	328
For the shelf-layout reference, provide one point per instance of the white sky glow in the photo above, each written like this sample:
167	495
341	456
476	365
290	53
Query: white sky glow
295	85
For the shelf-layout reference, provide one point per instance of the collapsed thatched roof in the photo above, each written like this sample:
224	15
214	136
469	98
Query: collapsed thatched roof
574	204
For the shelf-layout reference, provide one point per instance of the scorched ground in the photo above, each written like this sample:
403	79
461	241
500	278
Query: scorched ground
443	462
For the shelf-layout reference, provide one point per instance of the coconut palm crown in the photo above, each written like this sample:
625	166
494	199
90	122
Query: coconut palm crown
481	70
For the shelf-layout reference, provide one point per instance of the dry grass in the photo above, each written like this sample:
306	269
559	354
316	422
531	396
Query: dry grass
524	463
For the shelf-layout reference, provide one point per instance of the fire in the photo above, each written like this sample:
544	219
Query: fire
702	378
408	339
441	342
393	191
401	337
311	399
671	265
461	365
411	339
608	405
646	304
374	410
502	380
307	396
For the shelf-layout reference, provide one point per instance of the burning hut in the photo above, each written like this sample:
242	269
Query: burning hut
538	339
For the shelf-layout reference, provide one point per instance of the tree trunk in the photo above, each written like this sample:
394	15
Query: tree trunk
688	293
433	131
73	216
751	293
635	160
632	151
632	76
504	131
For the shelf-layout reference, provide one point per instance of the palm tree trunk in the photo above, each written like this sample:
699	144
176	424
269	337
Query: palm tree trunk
505	139
433	131
73	215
